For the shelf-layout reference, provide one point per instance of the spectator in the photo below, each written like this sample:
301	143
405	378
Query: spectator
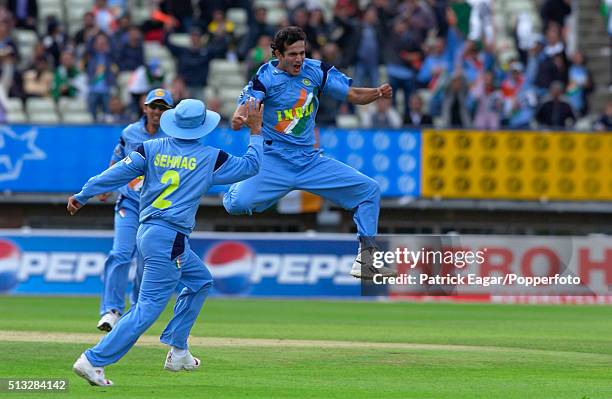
86	33
417	117
556	112
454	106
474	63
259	55
37	81
117	112
580	84
403	59
343	30
25	13
386	12
192	62
182	11
101	73
604	122
551	70
317	28
220	31
418	16
144	79
481	22
381	115
207	7
130	53
7	62
55	41
178	89
524	35
555	11
518	98
554	42
535	58
487	104
257	27
68	80
437	64
120	36
106	17
8	48
368	55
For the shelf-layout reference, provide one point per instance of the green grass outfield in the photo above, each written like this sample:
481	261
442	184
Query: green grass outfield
273	349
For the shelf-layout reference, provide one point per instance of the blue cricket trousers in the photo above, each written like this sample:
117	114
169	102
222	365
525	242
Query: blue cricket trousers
117	266
287	167
168	260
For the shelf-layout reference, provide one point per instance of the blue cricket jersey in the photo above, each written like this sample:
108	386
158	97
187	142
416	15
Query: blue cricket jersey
291	102
177	173
131	137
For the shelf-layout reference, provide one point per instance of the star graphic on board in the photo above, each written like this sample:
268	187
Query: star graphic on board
15	149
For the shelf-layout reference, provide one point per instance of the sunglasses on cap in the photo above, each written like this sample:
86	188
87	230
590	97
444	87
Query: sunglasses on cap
158	106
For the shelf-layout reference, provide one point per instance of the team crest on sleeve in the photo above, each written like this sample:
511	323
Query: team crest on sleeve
306	81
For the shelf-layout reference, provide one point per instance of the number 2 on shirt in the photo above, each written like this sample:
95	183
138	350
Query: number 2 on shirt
171	175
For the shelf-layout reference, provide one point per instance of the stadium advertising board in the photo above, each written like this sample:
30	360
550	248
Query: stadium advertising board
491	268
60	159
60	262
501	268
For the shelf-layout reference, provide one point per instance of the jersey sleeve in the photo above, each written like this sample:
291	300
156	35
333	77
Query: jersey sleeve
119	151
254	89
335	84
231	169
114	177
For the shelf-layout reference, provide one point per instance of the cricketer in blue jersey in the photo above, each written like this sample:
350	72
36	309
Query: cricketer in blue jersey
117	265
290	86
178	170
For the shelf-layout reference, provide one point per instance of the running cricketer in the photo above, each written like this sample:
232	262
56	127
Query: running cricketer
117	266
178	170
290	87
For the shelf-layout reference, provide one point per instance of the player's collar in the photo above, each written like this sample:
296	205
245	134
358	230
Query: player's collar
277	71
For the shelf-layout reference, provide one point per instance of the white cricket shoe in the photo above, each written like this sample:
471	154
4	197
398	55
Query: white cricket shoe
363	266
108	320
94	375
185	362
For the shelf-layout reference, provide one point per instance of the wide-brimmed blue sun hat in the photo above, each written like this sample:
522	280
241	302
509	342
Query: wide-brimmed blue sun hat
189	120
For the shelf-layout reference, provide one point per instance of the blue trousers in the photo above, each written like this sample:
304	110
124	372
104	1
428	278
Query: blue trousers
117	266
168	260
286	168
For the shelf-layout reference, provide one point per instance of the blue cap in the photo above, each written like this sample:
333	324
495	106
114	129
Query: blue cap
159	94
190	120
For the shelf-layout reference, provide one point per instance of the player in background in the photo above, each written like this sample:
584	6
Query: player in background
117	266
290	86
178	170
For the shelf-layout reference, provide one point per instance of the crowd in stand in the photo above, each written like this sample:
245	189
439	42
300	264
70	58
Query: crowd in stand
440	56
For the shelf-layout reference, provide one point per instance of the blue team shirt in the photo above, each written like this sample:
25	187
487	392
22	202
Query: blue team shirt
177	173
131	137
291	102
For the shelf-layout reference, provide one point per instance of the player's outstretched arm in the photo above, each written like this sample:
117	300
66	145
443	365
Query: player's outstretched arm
366	95
230	169
111	179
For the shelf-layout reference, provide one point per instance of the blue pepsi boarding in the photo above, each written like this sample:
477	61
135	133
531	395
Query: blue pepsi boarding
117	265
178	170
290	87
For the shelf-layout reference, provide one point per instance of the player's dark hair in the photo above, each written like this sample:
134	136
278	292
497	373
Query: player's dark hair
286	37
